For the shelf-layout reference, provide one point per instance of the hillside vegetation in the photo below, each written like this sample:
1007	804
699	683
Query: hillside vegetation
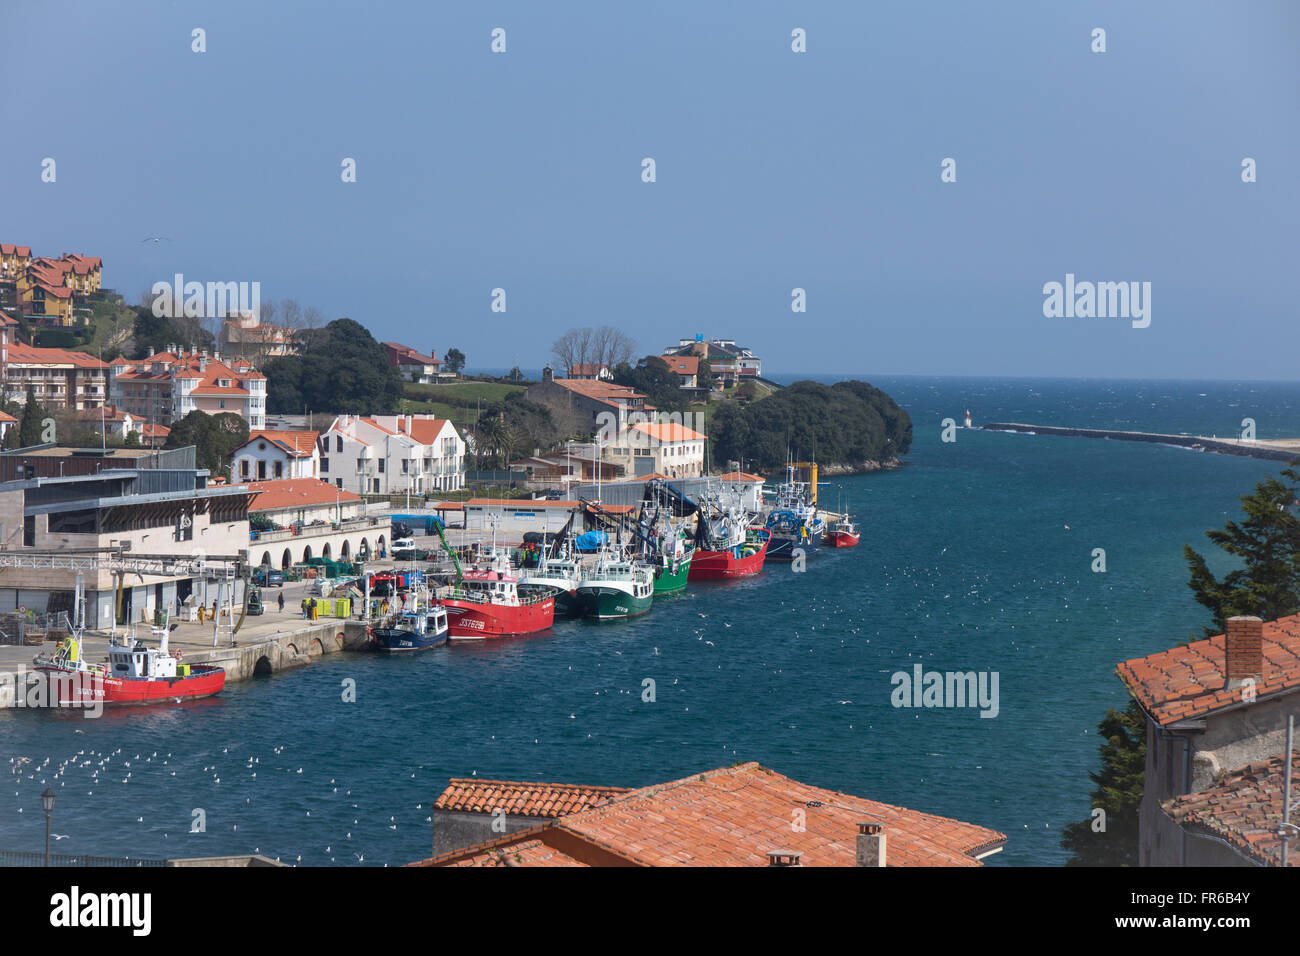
849	424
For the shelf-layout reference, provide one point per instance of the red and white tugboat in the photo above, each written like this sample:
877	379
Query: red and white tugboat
133	674
490	604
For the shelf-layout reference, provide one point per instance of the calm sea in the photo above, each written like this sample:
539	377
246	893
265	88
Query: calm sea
976	556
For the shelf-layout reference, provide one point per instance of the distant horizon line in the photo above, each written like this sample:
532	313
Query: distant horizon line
865	376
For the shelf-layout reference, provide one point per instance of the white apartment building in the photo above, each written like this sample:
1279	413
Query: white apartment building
165	387
393	454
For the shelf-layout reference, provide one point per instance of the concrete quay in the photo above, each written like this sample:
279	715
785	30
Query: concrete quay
274	642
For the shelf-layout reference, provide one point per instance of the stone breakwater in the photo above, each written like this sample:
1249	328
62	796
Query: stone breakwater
831	471
1275	450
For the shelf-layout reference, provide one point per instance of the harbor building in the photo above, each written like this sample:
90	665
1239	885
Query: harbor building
296	519
1214	708
139	511
734	816
668	449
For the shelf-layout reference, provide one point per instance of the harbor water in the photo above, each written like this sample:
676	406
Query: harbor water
978	555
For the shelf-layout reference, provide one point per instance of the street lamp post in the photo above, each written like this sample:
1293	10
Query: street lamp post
47	804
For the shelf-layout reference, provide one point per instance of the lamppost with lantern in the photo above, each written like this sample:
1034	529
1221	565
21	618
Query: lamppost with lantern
47	804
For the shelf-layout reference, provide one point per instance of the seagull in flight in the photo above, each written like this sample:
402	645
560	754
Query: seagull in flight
155	239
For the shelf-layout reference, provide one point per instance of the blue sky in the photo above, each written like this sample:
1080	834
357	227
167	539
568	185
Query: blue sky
775	170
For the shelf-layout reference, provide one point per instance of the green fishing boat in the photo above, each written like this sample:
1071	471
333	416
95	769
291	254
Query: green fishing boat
671	572
615	590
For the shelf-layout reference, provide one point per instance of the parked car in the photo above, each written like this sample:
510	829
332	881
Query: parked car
403	548
265	577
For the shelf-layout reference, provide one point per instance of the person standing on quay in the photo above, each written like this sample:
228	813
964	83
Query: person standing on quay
281	602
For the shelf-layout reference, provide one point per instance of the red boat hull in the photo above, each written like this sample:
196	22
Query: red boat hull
470	619
73	688
723	565
840	539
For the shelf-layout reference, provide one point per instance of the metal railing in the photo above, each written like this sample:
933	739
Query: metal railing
36	858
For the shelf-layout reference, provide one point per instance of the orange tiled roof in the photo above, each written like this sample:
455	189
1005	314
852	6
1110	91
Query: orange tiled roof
298	443
156	431
404	353
523	853
6	417
682	364
522	799
1186	682
735	816
423	430
740	476
667	431
20	354
1243	808
294	493
600	391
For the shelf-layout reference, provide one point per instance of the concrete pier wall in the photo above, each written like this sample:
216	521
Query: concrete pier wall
262	655
1222	446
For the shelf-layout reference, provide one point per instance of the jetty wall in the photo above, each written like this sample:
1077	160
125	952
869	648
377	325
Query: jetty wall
1217	445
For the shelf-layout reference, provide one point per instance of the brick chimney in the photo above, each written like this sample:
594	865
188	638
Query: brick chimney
783	858
1243	650
871	843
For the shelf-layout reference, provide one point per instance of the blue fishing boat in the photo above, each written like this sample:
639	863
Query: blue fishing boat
794	522
415	630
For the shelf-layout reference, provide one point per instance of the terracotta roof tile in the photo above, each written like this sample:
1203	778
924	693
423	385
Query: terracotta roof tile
734	817
522	799
295	493
1243	808
1186	682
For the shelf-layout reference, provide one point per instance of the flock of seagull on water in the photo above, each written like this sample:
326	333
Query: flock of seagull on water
104	767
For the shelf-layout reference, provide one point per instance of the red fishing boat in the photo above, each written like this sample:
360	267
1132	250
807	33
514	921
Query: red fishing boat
738	561
491	604
133	674
843	534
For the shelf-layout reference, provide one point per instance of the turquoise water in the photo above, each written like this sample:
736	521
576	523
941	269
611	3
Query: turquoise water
966	564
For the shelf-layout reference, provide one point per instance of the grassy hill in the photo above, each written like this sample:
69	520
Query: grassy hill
457	401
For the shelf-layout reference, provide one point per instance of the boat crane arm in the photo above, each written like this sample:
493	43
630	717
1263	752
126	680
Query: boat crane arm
438	527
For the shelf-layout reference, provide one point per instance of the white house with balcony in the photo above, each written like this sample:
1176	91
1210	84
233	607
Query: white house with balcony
393	455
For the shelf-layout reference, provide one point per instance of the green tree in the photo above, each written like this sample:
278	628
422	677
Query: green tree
1112	839
847	423
29	429
214	437
132	439
341	368
655	380
1267	542
704	374
454	359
